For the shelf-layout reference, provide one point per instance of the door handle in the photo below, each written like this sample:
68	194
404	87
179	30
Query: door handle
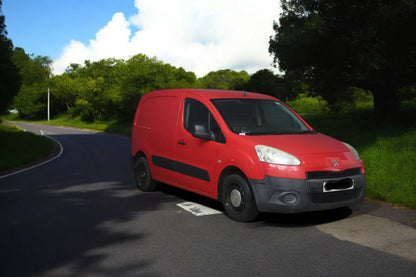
181	142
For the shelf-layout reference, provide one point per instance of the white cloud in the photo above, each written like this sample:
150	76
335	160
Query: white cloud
198	35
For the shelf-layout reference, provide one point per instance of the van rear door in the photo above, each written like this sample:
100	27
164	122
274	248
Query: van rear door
156	132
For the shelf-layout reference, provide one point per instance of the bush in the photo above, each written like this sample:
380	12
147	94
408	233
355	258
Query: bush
84	110
353	100
305	104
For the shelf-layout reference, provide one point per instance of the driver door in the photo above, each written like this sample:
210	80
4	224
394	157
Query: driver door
198	157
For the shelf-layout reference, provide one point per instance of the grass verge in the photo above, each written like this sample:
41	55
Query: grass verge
20	148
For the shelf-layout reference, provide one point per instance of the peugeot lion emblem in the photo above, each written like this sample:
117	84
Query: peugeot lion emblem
335	163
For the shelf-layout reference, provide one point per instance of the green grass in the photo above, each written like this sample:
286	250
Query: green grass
19	148
391	167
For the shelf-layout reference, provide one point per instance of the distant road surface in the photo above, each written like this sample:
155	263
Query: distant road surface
81	215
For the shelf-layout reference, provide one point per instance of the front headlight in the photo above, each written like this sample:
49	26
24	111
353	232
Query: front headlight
275	156
352	149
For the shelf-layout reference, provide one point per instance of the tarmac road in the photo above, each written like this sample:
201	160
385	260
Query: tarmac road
81	215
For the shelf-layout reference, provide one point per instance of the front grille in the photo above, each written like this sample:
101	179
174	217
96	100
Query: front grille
333	174
332	197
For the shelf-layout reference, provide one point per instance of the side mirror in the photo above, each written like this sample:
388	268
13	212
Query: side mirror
201	132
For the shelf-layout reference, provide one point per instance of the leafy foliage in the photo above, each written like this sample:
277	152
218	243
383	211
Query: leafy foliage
31	101
35	72
305	104
107	89
111	88
332	45
143	74
225	79
266	82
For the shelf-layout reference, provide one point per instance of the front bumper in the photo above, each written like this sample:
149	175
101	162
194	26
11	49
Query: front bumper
286	195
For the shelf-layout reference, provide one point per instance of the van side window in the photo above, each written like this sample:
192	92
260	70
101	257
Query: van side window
196	113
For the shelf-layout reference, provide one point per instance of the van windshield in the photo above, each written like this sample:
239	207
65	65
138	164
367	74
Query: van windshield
259	117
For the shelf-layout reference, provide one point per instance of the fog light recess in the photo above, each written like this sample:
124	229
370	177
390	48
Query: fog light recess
289	198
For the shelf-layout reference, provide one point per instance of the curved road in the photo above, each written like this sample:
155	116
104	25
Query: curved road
81	215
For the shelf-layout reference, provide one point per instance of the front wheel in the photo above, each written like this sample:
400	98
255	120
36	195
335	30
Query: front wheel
142	175
237	199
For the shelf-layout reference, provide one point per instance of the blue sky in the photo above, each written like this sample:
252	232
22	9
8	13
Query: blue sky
198	35
45	27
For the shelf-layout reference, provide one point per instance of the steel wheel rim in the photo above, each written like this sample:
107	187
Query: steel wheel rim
142	175
235	198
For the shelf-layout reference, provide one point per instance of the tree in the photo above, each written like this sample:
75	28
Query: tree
142	74
332	45
265	81
65	90
32	68
9	75
225	79
96	89
34	71
111	88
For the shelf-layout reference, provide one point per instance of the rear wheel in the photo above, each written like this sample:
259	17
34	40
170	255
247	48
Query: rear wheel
237	199
142	175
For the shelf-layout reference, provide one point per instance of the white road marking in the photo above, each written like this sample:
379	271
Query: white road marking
197	209
41	132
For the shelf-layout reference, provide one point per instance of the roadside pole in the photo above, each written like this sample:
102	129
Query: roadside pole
49	105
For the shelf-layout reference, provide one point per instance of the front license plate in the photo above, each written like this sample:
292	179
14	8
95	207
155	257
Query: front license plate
339	185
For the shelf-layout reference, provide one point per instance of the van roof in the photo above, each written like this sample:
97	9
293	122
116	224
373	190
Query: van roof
216	93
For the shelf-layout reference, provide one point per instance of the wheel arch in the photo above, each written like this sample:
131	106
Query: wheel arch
138	155
227	172
133	159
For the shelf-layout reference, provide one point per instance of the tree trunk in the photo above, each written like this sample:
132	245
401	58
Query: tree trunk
386	103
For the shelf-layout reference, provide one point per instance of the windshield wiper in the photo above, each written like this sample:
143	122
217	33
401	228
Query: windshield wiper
308	132
265	133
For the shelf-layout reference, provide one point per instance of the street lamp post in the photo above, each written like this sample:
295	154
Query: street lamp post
49	105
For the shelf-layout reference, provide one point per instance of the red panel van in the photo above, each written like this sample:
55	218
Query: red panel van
250	151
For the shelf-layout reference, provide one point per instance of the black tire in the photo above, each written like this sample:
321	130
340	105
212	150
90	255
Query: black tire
143	176
238	200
